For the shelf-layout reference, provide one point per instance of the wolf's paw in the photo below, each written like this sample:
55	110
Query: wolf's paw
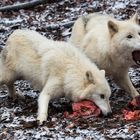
135	94
16	95
42	118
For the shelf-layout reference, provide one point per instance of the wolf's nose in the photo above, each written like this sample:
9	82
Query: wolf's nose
109	114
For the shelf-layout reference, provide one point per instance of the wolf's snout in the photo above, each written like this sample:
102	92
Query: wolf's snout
107	110
109	114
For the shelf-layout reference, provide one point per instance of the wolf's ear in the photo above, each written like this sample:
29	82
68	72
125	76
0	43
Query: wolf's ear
113	27
103	72
89	77
135	18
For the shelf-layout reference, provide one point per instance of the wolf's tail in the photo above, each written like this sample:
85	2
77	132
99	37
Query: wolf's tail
78	31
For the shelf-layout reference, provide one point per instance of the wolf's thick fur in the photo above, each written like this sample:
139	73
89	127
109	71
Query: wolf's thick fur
56	68
109	43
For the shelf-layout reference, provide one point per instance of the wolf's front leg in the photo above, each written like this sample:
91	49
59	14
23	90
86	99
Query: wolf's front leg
124	81
51	90
43	103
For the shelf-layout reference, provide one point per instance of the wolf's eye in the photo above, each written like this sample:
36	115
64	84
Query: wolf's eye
102	96
139	33
129	36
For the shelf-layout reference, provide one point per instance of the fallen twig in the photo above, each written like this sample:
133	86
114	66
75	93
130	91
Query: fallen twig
25	5
16	25
56	26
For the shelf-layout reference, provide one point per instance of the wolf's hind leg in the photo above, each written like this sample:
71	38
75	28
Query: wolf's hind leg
11	90
7	78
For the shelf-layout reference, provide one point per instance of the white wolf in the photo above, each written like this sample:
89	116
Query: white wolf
56	68
112	44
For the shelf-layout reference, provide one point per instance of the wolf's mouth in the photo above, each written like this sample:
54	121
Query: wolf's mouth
136	56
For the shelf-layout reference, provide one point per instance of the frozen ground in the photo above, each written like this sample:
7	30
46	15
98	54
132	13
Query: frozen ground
18	118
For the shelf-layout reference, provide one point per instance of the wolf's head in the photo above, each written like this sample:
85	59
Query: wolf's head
125	40
97	89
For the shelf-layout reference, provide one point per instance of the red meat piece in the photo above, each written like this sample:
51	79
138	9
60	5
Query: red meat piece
83	108
131	115
132	111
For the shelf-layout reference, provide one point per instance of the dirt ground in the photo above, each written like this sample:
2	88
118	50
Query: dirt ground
54	20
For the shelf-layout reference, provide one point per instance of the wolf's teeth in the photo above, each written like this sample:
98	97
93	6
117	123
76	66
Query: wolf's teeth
138	62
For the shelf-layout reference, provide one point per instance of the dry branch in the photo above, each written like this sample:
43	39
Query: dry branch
25	5
57	26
